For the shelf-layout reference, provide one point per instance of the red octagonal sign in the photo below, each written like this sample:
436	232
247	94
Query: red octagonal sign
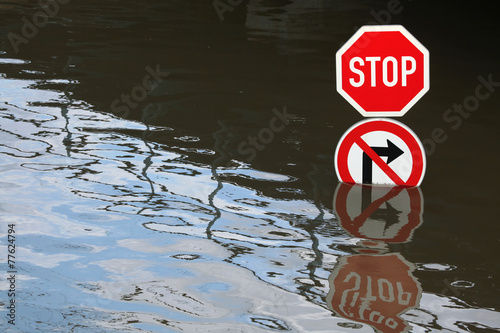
382	71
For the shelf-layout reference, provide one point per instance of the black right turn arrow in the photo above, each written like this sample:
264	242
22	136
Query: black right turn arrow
391	152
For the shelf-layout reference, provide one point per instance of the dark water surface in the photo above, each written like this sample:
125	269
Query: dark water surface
140	203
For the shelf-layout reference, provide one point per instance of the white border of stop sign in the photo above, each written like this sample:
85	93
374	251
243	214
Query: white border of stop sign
407	69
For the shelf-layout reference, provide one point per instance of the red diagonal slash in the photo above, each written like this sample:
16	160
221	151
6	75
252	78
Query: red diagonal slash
379	161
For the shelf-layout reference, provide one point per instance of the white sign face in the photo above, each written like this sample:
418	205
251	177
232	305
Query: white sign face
380	151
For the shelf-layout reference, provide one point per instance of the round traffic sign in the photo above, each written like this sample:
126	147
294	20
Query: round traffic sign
380	151
382	71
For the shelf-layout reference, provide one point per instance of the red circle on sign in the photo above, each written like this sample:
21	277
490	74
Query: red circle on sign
353	136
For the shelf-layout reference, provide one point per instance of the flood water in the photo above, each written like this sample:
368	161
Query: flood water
167	166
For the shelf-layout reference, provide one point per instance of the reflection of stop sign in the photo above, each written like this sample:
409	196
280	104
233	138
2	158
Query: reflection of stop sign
375	290
382	71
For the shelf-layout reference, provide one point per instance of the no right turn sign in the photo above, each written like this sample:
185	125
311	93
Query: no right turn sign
380	151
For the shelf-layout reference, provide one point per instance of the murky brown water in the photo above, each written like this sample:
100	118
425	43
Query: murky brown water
167	166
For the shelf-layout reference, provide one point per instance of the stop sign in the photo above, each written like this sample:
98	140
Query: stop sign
382	70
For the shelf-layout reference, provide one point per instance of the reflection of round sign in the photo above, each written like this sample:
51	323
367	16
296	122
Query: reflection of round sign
380	151
374	290
389	214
